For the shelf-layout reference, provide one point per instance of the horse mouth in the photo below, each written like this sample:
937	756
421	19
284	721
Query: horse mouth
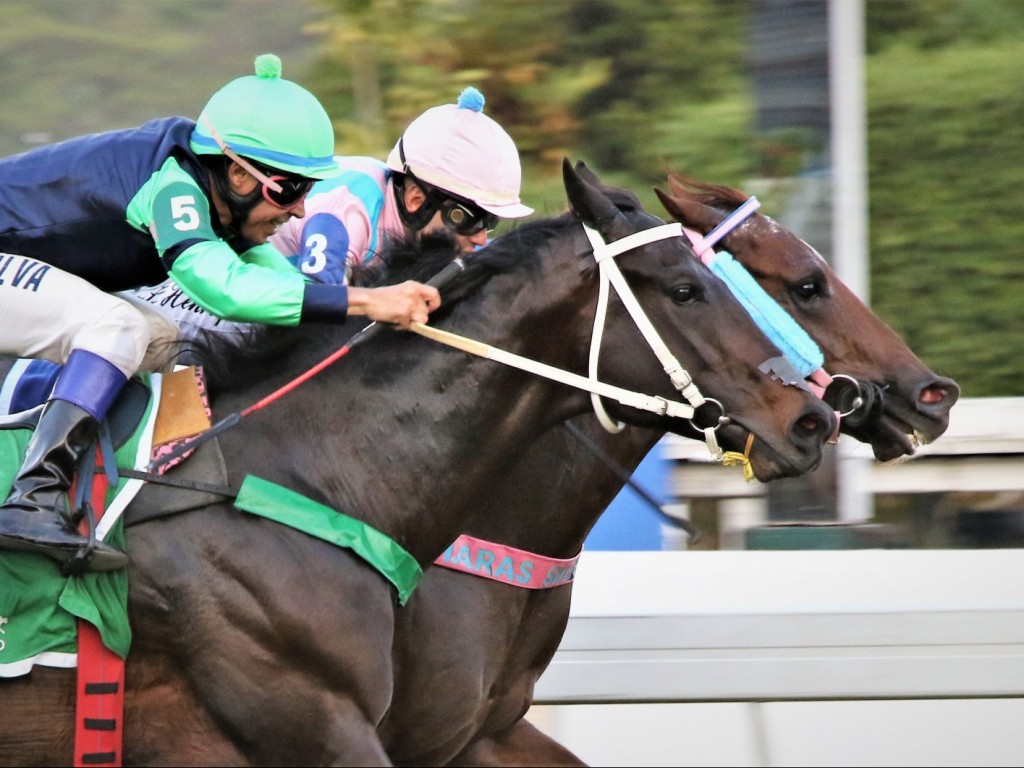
767	461
895	435
894	440
895	421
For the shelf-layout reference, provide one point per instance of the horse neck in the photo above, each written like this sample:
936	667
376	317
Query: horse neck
408	435
555	495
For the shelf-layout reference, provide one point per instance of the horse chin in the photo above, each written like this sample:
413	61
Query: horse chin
768	466
893	447
892	438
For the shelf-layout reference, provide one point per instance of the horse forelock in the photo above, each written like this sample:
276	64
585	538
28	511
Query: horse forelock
704	192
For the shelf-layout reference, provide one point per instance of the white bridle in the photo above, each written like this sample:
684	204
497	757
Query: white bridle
604	254
610	274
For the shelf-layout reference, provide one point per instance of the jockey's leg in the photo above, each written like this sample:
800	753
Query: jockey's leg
102	340
30	382
35	516
164	336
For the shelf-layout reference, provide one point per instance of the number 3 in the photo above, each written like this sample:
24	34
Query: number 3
315	256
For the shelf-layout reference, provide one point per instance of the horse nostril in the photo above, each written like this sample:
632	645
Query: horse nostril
936	394
814	424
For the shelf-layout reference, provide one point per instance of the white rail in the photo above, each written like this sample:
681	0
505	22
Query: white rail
982	450
791	625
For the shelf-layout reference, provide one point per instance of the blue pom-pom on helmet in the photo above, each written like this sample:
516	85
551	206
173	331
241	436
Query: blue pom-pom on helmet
462	151
472	99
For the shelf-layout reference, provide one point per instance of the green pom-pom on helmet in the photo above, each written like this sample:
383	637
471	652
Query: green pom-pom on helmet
268	65
271	120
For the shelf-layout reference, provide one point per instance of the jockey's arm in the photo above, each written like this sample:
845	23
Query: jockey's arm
268	256
222	283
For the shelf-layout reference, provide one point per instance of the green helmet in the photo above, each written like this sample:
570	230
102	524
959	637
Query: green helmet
271	120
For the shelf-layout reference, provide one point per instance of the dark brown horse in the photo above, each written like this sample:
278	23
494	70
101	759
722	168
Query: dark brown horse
257	644
485	658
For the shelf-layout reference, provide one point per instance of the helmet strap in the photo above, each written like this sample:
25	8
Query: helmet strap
418	219
239	206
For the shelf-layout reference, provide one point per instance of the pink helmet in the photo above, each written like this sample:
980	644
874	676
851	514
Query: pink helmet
459	149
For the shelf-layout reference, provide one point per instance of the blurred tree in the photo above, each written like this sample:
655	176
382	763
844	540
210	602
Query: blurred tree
945	127
82	66
612	82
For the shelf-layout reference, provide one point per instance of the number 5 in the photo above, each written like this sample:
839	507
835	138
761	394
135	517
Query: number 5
183	210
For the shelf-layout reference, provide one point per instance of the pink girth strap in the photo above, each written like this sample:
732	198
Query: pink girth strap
507	564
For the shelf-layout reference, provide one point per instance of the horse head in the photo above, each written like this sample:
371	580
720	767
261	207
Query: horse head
706	329
904	403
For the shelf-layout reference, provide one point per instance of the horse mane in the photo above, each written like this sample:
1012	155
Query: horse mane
713	195
242	356
256	352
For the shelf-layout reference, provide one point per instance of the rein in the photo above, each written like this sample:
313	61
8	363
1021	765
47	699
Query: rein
652	403
604	255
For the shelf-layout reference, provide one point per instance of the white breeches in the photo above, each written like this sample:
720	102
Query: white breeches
192	321
46	312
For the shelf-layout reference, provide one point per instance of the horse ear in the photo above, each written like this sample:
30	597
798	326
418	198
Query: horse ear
688	211
587	199
584	171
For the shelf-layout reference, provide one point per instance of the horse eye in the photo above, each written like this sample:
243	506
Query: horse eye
807	290
686	293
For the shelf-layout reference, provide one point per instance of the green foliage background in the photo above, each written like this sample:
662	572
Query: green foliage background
633	87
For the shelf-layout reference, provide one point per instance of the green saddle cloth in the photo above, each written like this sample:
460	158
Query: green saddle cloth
40	608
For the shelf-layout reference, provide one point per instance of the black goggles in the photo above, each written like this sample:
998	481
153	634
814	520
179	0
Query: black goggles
466	218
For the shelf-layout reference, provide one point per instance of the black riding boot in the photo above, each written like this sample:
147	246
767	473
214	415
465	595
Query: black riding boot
34	518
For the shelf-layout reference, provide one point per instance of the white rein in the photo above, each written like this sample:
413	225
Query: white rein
604	254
